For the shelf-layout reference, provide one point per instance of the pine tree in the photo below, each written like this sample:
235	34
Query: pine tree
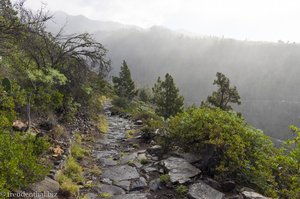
123	84
224	95
166	97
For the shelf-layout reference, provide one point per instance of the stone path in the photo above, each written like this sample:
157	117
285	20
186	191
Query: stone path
131	173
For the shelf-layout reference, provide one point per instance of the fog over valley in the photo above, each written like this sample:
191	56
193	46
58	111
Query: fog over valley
265	73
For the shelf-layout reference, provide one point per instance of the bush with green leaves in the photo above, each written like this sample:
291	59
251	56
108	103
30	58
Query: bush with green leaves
238	151
19	165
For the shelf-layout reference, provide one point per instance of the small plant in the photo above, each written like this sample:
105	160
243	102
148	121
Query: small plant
102	123
69	188
73	170
165	178
130	163
95	170
182	190
78	152
105	195
144	161
59	132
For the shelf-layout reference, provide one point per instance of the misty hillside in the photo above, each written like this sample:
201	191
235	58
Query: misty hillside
266	74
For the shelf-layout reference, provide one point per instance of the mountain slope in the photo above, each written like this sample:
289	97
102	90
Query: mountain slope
264	73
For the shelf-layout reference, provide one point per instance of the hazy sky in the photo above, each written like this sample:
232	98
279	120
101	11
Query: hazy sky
269	20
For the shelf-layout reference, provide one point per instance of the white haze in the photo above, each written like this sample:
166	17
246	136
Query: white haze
267	20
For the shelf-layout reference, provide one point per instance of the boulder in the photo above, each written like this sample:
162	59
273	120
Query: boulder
131	196
253	195
138	184
111	189
47	185
18	125
123	184
155	184
180	170
156	150
203	191
120	173
228	186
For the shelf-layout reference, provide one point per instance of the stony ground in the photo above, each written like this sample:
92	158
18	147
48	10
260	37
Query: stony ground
131	169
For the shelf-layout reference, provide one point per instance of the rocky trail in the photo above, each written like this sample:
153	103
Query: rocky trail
134	171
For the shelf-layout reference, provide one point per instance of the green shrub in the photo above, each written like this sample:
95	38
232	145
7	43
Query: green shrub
121	102
19	165
240	152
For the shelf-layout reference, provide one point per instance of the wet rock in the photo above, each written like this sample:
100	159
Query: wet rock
128	158
47	185
213	183
155	184
108	162
189	157
120	173
155	150
150	169
91	196
106	181
106	154
138	122
123	184
131	196
113	190
180	170
203	191
253	195
228	186
138	184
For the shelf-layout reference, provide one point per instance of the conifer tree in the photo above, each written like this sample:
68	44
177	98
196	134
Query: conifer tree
166	97
123	84
225	94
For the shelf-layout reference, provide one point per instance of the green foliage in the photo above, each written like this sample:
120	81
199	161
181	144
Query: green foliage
19	164
182	190
239	151
73	170
165	178
102	123
144	95
105	195
9	101
121	102
225	94
6	84
124	85
166	97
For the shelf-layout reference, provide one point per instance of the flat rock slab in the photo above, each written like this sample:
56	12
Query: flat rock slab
203	191
47	185
106	154
180	170
120	173
128	158
113	190
131	196
253	195
123	184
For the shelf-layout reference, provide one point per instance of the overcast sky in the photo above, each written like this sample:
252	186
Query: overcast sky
268	20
